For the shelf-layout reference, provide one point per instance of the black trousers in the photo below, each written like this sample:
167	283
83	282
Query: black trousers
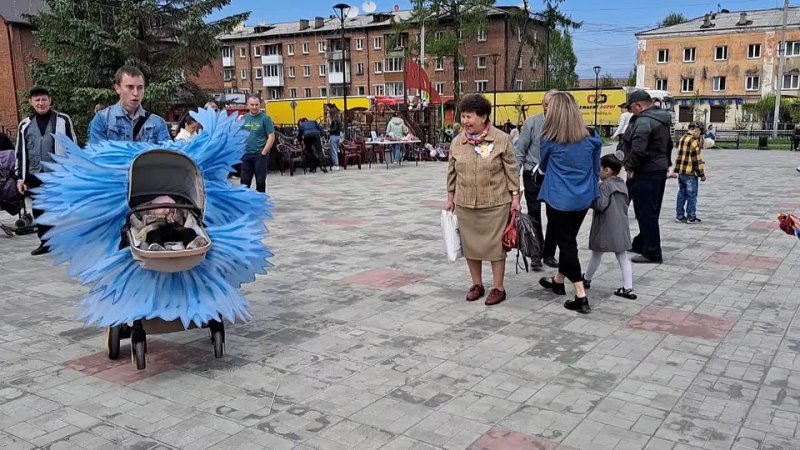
563	226
32	181
313	148
647	194
255	165
532	187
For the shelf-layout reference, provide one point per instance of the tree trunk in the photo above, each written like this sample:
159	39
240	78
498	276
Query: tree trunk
524	29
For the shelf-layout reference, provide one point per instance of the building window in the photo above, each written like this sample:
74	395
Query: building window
359	44
754	51
399	41
663	55
718	83
321	47
273	49
481	35
306	71
687	85
461	65
379	90
378	65
716	114
290	49
791	81
244	74
461	86
291	72
439	87
362	90
242	52
752	83
259	73
360	69
323	91
292	93
307	92
377	43
323	70
336	66
518	84
394	65
244	91
721	53
480	85
792	48
257	51
273	70
228	74
439	64
275	94
394	89
305	48
227	52
685	114
661	84
689	54
519	64
481	62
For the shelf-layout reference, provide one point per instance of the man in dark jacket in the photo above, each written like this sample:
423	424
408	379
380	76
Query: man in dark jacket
647	148
309	132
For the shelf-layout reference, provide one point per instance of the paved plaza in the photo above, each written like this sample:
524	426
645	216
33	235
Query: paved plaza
362	337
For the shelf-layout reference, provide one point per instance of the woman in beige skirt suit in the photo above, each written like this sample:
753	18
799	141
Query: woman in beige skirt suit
482	189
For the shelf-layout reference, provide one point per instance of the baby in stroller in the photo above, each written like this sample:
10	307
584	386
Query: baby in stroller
11	201
166	229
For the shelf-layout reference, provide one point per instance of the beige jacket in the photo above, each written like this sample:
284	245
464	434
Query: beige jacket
482	182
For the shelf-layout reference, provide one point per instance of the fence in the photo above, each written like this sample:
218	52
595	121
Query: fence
747	139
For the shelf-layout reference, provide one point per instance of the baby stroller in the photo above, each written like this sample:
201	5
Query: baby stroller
165	233
11	201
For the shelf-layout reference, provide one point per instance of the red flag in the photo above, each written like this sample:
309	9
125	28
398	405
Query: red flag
417	78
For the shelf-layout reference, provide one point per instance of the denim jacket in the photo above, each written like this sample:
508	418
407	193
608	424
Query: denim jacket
114	124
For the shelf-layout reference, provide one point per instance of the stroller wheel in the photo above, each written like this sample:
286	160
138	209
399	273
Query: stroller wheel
21	223
138	355
217	330
112	342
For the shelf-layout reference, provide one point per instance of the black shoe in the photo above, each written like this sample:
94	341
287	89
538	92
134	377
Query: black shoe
40	250
641	259
627	293
587	284
324	170
548	283
536	266
580	305
550	261
695	220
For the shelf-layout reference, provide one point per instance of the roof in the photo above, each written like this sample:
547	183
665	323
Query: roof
330	24
726	22
13	10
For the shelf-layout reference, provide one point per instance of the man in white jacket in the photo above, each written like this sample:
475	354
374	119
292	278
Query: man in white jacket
624	120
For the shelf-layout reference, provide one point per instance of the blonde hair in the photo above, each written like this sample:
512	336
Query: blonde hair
563	122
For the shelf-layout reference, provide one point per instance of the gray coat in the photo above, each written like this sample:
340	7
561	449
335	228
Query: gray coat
610	230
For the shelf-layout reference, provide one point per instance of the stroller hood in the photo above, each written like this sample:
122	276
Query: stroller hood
165	172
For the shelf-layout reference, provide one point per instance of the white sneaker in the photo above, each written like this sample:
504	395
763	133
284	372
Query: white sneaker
197	242
174	246
335	167
155	248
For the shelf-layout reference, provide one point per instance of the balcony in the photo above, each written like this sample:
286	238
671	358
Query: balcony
272	82
338	78
227	61
336	55
271	60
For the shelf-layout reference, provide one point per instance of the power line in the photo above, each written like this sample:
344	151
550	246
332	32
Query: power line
672	5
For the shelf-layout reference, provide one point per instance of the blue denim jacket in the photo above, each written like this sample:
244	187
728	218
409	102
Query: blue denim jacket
114	124
571	173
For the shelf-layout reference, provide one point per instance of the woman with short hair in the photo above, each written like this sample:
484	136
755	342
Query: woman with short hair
570	158
482	189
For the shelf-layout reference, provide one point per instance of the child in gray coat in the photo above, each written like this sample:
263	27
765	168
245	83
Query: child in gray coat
610	231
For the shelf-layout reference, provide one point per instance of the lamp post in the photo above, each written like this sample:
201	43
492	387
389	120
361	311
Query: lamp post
596	92
494	57
342	12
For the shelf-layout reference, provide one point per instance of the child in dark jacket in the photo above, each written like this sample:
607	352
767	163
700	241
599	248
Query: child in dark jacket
610	231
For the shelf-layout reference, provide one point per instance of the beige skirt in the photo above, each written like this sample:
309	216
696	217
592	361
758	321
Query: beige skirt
481	231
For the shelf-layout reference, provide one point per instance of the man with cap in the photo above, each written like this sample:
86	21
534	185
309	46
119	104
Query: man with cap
35	145
647	149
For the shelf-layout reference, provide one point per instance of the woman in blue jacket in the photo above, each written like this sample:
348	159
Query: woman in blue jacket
570	158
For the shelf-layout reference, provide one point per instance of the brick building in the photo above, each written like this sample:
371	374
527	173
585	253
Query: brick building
17	49
303	59
714	64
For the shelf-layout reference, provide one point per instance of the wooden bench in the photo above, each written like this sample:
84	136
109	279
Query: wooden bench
723	136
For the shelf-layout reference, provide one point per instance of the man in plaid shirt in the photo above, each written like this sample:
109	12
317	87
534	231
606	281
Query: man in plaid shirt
689	167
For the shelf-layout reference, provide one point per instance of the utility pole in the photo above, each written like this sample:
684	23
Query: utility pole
781	63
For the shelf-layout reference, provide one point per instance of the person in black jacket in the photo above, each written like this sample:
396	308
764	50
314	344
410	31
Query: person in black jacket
647	149
335	132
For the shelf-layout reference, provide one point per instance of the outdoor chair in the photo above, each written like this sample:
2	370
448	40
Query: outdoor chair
350	152
291	156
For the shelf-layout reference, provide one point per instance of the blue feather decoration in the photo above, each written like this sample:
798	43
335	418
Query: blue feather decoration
85	198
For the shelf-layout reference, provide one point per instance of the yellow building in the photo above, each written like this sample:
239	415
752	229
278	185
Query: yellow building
714	64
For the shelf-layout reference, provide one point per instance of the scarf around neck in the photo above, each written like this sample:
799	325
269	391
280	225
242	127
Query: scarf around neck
477	139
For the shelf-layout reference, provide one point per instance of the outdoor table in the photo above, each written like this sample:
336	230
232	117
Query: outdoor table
386	149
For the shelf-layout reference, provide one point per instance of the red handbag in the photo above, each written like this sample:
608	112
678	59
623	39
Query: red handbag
510	232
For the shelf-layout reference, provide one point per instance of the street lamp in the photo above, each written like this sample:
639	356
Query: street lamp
343	11
494	57
596	92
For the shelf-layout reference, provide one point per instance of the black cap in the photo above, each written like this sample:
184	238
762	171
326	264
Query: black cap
38	90
639	96
700	125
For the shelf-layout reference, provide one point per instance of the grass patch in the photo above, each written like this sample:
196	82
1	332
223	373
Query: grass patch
749	144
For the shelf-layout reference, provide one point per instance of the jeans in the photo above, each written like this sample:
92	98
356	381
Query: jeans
687	196
335	140
255	165
647	194
564	226
395	152
535	212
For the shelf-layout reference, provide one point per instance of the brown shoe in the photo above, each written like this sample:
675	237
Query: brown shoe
475	292
495	296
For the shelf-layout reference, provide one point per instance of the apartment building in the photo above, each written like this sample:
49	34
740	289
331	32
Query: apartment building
308	58
715	64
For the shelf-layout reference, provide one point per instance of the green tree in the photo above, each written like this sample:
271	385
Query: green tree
607	81
764	110
557	49
561	60
673	19
449	26
632	77
85	42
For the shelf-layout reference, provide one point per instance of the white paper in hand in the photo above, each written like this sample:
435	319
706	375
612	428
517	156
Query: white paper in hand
452	240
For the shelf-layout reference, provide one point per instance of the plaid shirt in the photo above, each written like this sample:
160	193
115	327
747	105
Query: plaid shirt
689	161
